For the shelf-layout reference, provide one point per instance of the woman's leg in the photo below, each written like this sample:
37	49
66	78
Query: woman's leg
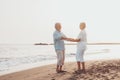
83	66
82	60
78	60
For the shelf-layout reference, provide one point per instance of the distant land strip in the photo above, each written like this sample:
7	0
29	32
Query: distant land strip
75	44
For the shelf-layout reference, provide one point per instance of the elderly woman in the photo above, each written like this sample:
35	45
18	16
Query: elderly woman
81	47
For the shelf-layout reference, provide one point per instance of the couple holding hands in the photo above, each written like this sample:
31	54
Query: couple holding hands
59	45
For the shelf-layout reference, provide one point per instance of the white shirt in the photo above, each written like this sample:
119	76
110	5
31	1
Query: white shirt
83	40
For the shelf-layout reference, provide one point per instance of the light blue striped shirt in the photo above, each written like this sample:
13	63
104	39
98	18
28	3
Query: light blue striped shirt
58	43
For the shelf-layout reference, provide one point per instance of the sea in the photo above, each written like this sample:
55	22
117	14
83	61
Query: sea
18	57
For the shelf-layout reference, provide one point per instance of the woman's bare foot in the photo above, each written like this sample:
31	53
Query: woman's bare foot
77	72
83	71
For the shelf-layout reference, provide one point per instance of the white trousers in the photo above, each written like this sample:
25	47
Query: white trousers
60	57
80	55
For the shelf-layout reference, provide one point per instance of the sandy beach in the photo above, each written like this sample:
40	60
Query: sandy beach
95	70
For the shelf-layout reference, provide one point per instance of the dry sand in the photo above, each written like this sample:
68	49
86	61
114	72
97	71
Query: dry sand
95	70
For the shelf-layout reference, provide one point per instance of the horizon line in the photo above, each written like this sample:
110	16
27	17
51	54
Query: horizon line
40	43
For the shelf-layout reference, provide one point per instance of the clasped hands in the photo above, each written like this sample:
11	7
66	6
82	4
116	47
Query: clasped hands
70	39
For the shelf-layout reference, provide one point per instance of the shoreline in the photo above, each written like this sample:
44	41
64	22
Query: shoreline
97	54
93	57
96	69
26	67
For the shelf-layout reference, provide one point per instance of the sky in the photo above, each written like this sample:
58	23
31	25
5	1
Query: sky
32	21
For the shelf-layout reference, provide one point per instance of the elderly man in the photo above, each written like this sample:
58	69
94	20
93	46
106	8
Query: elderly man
59	38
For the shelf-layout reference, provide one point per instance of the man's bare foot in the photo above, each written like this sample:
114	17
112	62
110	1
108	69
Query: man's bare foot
57	70
62	71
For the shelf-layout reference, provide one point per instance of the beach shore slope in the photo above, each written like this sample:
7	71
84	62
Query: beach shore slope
95	70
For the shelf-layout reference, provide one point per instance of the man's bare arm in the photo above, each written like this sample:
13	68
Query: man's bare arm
72	40
63	38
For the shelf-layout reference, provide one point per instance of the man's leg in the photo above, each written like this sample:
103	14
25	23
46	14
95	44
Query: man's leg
62	57
63	54
57	69
79	66
58	61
